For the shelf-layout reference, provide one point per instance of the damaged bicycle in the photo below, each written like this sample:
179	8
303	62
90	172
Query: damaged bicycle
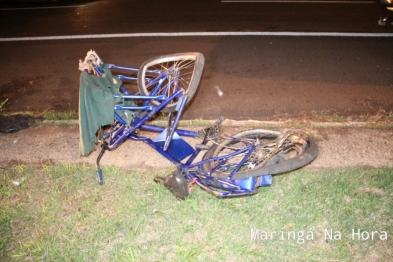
235	165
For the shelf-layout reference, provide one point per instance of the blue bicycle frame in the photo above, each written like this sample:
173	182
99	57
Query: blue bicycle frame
169	142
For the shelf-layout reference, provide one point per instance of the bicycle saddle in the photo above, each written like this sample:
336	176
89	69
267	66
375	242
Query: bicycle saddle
176	183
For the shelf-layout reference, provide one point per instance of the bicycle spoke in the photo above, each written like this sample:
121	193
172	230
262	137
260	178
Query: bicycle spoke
176	72
289	147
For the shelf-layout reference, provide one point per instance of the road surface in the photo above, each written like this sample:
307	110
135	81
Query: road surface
270	59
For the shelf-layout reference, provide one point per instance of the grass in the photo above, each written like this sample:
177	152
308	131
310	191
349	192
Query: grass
53	118
47	114
381	116
380	119
60	213
54	115
2	106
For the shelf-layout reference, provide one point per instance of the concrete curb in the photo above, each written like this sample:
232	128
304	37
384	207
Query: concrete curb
58	142
252	123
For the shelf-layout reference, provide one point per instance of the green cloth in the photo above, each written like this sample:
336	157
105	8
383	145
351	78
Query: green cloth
96	106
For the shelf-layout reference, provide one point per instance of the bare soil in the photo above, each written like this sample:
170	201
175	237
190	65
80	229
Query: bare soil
339	147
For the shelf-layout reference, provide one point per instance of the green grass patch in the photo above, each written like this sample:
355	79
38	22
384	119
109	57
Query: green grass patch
2	106
54	115
60	213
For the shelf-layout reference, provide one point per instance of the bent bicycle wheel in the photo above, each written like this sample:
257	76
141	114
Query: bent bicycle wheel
165	75
268	158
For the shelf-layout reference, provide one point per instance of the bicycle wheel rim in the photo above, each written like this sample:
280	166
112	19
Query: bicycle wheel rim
184	69
309	153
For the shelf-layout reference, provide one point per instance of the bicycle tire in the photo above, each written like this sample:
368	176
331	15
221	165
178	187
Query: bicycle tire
276	166
185	68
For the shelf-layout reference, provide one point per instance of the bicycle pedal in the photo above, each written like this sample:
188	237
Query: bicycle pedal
212	132
100	177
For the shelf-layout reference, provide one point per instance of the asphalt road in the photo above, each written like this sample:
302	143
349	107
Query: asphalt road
269	59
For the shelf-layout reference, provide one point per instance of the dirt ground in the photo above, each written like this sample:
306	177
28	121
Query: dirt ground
339	147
